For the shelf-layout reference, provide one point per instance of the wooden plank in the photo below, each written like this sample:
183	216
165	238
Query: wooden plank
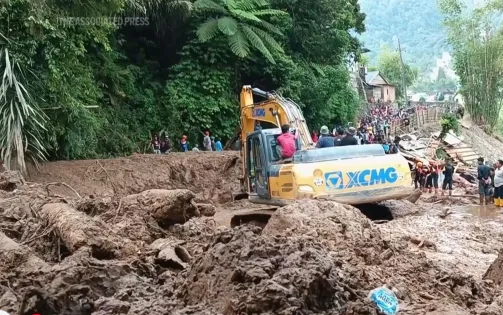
462	150
470	156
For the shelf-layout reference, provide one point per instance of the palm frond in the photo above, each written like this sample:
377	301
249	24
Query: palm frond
270	27
227	25
268	39
209	5
239	44
231	4
257	42
271	12
245	15
207	30
21	120
246	5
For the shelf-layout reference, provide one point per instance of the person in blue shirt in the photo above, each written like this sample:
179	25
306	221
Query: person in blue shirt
385	146
184	145
218	145
326	140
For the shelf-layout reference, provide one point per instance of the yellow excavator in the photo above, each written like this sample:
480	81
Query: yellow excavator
357	174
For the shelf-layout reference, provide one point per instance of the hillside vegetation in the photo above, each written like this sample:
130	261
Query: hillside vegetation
76	89
418	25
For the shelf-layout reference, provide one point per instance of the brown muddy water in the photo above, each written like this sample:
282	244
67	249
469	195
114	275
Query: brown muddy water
468	238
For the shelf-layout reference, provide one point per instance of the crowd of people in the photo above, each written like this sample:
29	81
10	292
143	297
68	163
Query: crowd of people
428	176
163	145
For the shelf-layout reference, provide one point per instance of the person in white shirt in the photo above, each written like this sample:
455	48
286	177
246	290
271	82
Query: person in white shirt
498	184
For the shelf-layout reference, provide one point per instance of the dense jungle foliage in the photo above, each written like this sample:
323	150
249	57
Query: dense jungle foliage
75	89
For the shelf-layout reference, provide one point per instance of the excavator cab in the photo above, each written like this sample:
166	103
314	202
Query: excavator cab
261	154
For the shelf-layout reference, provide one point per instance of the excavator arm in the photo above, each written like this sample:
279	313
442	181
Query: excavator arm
274	110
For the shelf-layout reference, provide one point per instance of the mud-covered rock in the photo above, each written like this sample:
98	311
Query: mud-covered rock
165	206
495	271
314	258
10	180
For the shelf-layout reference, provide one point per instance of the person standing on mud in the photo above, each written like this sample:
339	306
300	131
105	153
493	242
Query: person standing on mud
218	145
483	176
432	181
156	145
207	141
184	145
498	184
418	175
448	176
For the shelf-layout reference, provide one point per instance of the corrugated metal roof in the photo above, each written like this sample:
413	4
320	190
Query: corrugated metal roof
371	76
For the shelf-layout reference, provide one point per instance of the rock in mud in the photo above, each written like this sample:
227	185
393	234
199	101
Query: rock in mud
77	230
495	271
10	180
206	209
171	253
167	207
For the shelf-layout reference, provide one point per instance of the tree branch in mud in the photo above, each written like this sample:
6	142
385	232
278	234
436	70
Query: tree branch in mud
77	230
12	251
61	184
108	177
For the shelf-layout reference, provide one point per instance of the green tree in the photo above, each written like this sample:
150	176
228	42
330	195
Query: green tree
240	21
22	121
388	63
478	45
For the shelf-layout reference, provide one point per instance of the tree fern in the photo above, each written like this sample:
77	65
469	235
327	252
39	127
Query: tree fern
271	12
227	25
245	15
257	42
208	30
209	5
270	27
239	21
239	44
268	39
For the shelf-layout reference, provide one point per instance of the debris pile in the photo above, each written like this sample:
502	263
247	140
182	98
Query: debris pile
211	176
135	255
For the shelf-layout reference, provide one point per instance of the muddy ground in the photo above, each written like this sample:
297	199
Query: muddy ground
121	239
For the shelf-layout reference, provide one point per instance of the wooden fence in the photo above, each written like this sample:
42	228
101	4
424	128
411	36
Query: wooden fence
422	116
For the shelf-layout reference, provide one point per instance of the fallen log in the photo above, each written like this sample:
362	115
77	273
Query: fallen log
13	252
167	207
414	196
77	230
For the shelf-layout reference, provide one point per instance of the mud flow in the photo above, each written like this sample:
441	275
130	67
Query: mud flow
111	237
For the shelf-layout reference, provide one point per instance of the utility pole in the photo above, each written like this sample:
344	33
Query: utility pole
403	73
